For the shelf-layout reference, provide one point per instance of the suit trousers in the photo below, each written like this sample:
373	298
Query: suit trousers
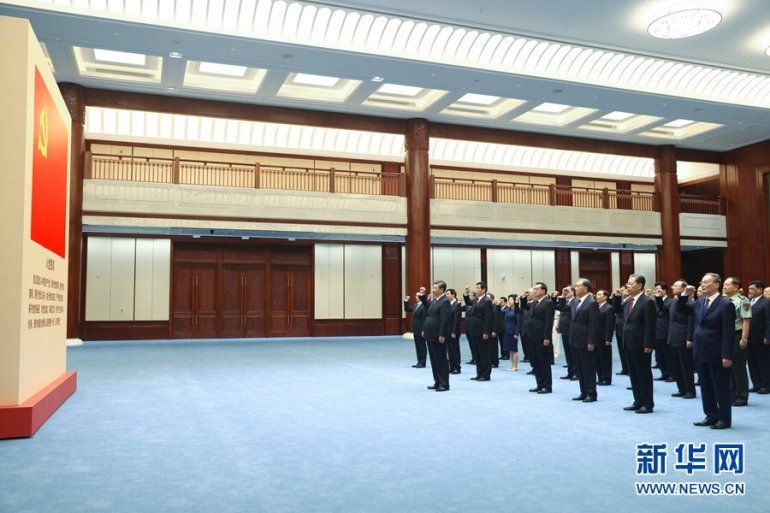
541	363
759	357
715	391
438	362
421	348
661	357
454	353
621	351
586	369
739	378
473	346
604	353
640	372
484	350
683	366
569	354
493	357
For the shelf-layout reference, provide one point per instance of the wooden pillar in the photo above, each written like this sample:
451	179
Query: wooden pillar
417	171
667	190
75	97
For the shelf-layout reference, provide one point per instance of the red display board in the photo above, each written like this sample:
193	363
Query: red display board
50	154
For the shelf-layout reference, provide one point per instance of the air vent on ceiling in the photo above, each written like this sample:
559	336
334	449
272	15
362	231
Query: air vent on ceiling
392	103
122	73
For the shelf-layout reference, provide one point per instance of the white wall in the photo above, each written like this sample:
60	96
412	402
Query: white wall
348	281
515	270
458	267
127	279
644	264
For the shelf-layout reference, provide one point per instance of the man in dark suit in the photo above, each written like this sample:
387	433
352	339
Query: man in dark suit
619	321
565	319
539	331
679	340
759	339
662	357
480	329
713	341
469	298
418	317
582	337
638	341
436	330
454	337
604	337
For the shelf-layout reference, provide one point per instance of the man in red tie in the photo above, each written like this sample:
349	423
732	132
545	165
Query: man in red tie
638	341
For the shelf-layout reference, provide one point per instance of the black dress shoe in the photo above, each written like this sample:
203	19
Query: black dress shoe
419	365
589	399
544	391
622	373
471	362
705	422
688	396
442	389
579	398
566	377
644	409
495	366
721	424
753	390
670	379
677	394
574	378
432	387
633	407
534	389
629	388
604	383
474	378
525	360
483	379
740	403
532	372
455	372
660	378
764	391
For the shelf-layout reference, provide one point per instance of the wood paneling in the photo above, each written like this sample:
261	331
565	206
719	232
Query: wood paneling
563	270
131	330
289	300
392	302
348	328
596	266
626	265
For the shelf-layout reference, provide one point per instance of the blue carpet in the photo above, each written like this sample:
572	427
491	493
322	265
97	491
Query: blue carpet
346	425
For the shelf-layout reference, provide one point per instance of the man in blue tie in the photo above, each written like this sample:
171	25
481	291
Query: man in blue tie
713	341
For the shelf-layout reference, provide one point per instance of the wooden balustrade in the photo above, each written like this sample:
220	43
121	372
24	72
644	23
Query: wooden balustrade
220	174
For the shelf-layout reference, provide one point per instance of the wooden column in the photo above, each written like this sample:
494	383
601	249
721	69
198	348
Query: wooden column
667	189
75	98
417	170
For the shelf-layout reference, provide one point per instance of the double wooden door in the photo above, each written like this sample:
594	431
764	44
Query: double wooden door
221	292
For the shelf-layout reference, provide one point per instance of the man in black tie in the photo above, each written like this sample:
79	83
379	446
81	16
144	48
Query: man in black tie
713	341
759	339
680	331
480	329
638	341
454	337
539	330
604	337
436	330
582	337
419	309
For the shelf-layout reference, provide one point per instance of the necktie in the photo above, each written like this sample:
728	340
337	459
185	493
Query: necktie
706	306
630	305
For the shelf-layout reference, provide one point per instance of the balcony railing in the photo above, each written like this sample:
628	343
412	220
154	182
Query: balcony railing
220	174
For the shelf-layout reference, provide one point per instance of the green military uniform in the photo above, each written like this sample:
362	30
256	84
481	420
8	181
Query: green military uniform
739	377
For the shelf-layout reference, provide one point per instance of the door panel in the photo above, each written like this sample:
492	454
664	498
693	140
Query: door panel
300	301
279	301
207	301
254	300
232	295
182	317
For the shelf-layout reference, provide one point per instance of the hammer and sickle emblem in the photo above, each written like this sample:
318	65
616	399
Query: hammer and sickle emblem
42	140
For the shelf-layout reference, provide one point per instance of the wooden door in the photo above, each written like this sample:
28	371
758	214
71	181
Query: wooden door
289	300
195	300
596	267
243	305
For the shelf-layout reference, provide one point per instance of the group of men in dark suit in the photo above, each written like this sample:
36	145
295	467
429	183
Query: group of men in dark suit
690	334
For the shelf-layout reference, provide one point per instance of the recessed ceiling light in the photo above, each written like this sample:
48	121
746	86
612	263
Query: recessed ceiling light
136	59
315	80
679	123
478	99
684	23
400	90
377	79
551	108
617	116
175	55
215	68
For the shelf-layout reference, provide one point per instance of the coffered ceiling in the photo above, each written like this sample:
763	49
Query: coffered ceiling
585	69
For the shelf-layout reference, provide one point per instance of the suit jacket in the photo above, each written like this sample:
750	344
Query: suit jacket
681	324
661	317
759	329
438	322
419	310
499	320
606	324
638	324
457	314
539	324
585	321
481	318
565	314
714	335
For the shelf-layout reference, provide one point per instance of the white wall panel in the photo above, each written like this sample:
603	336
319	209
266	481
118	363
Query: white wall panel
143	288
363	281
522	269
98	278
644	264
122	279
574	265
161	279
500	271
458	267
329	279
544	267
615	266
